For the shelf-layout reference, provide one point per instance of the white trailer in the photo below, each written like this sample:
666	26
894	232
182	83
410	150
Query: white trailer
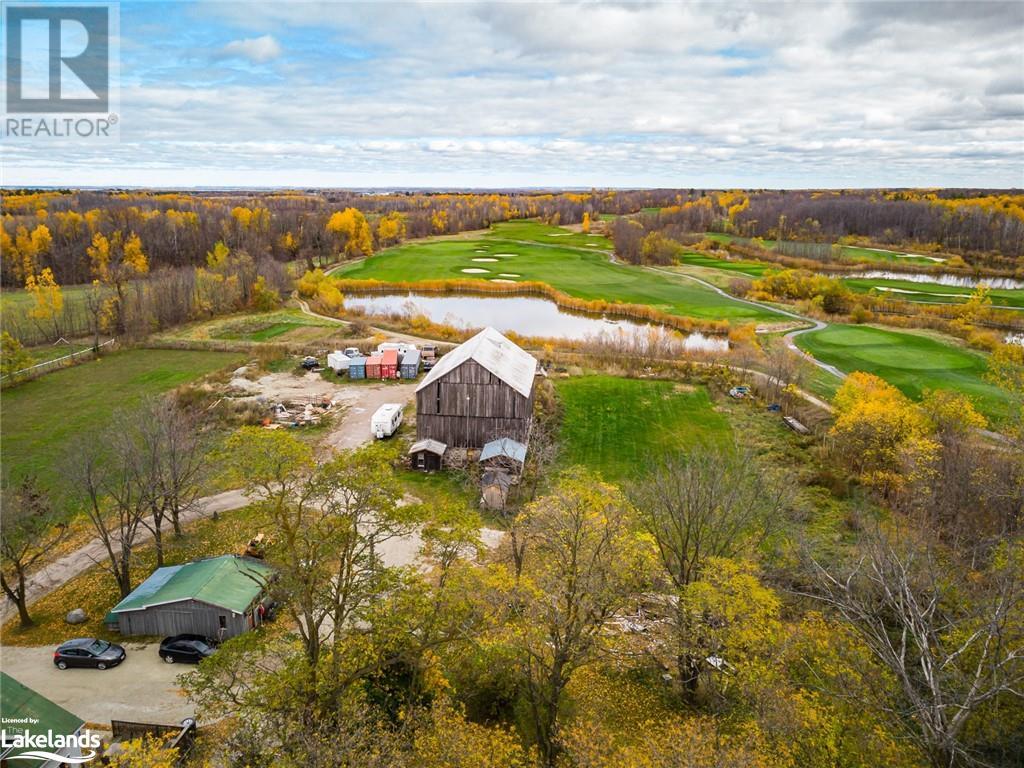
401	346
386	420
338	361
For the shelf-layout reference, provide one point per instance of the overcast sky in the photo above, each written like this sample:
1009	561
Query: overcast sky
575	94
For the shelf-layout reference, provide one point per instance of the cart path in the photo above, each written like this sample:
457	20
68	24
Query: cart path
64	569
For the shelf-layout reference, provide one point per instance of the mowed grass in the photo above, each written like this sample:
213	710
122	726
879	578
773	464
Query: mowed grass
525	249
615	426
41	417
913	362
933	293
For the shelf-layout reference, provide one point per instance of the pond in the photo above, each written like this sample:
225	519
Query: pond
956	281
525	315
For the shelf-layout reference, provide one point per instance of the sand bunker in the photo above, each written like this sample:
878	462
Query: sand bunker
504	254
559	234
480	250
475	271
501	280
483	259
509	274
593	243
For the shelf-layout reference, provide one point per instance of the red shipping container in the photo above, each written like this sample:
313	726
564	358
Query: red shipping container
373	367
389	364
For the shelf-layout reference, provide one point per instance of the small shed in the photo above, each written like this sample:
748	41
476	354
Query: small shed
338	361
504	453
373	366
357	367
218	597
389	364
427	455
494	487
35	716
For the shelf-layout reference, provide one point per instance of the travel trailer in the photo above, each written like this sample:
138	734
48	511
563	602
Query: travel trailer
386	420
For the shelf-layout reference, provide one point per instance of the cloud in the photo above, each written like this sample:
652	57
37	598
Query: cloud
575	93
258	50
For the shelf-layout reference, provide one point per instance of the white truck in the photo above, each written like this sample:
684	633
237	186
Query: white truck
386	420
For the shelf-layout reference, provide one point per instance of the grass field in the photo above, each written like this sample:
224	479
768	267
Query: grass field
614	425
933	293
40	417
555	256
913	362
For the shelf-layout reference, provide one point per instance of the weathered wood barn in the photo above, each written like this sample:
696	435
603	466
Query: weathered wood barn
480	391
219	597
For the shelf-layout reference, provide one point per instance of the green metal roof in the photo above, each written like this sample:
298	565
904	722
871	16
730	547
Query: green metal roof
18	701
228	581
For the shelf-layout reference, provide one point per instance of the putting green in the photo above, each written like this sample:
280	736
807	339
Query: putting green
913	362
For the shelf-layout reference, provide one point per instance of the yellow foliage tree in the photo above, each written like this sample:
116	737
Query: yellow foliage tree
585	226
48	298
352	232
391	229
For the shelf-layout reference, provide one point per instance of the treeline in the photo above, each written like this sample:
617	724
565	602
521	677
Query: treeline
987	227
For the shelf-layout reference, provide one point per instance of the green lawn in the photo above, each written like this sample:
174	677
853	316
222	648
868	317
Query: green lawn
933	293
525	248
913	362
40	417
739	267
614	425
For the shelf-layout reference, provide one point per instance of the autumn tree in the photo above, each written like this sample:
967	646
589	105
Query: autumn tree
31	530
707	503
115	261
13	356
390	229
583	561
48	300
351	233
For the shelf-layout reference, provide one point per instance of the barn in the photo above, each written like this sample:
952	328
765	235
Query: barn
218	597
480	391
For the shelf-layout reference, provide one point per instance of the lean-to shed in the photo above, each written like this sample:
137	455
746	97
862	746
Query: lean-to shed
427	455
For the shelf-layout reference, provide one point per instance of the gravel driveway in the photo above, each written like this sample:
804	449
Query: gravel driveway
143	688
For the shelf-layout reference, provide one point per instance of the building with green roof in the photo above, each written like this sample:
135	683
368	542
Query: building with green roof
218	597
24	711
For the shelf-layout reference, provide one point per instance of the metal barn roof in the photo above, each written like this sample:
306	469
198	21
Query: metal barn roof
434	446
504	446
19	702
228	581
513	365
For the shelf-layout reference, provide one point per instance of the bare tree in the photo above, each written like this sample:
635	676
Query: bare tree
952	645
104	468
703	504
30	530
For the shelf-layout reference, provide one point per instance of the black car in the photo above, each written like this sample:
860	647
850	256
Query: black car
88	652
189	649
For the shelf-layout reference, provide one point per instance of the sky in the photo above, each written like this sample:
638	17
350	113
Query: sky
496	95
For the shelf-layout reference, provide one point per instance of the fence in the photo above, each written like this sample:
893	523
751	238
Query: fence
37	370
180	737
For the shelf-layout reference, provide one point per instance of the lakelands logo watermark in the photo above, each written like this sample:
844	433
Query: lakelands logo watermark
74	749
60	70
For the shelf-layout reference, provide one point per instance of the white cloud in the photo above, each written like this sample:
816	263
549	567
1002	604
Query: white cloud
258	50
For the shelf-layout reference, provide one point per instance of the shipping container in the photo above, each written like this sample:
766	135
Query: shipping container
389	364
373	367
357	368
410	367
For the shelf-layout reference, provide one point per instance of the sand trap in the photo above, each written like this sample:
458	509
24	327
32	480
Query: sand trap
501	280
559	234
593	243
504	254
475	271
480	250
509	274
483	259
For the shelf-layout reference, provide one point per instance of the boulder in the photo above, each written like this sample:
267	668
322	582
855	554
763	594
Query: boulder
76	616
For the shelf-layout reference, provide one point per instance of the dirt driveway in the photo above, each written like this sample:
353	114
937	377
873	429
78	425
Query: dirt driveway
142	689
353	428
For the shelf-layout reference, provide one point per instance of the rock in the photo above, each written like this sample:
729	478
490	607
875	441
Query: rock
76	616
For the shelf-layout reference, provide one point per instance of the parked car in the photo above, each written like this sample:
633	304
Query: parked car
352	352
739	392
188	649
88	652
310	362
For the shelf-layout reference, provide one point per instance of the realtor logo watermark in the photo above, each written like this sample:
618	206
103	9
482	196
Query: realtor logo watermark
61	70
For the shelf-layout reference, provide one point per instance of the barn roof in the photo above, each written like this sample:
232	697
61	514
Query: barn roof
434	446
513	365
504	446
228	581
41	715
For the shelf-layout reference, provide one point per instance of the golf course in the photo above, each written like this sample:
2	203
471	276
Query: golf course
913	362
577	264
